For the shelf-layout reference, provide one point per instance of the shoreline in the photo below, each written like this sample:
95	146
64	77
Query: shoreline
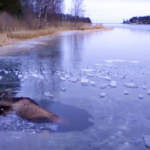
7	41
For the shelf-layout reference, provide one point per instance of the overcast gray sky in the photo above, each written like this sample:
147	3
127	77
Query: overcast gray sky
113	11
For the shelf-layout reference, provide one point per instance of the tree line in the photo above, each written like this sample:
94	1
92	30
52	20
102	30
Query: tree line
138	20
45	10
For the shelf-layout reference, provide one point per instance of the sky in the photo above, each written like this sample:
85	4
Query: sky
113	11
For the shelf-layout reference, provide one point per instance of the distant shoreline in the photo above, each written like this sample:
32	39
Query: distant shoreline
143	20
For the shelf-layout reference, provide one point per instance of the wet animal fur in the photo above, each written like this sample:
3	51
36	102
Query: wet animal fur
26	108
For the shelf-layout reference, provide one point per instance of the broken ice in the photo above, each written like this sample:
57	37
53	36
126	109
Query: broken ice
54	127
102	95
112	84
87	70
90	75
130	85
71	79
144	87
84	81
48	94
63	89
108	78
141	96
20	76
63	78
126	93
92	83
103	86
123	77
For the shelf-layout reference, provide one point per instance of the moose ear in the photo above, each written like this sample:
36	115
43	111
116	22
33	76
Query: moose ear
2	94
5	92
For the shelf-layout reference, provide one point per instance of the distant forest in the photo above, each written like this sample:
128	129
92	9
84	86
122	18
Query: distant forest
45	10
138	20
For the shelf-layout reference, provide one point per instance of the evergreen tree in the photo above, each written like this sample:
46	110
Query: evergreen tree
10	6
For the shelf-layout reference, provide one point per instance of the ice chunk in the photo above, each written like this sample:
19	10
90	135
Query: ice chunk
115	60
92	83
144	87
109	61
67	76
63	78
123	77
63	89
147	140
141	96
108	78
102	95
84	81
72	79
130	85
97	64
126	93
54	127
48	94
112	84
103	86
6	72
134	61
19	76
87	70
90	75
37	76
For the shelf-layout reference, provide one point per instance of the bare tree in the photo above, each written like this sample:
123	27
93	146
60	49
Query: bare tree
42	8
27	6
77	9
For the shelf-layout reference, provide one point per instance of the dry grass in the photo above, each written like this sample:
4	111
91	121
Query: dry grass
4	40
13	29
91	27
29	34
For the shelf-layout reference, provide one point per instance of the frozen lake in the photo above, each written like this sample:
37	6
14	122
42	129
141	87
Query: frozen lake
99	81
